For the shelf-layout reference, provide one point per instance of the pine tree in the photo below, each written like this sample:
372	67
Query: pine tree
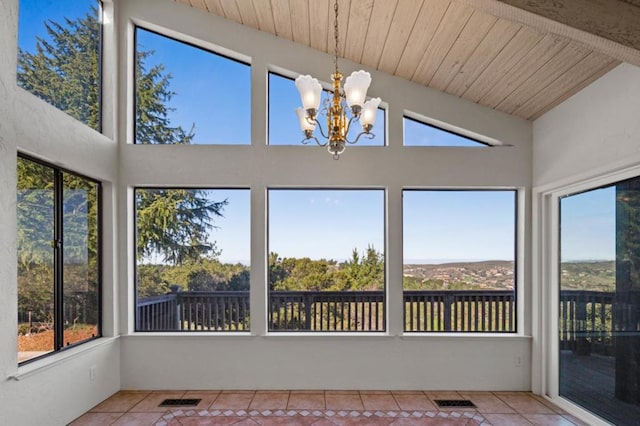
64	71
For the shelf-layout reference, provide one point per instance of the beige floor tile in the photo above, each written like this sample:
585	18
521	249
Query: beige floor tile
379	401
138	419
269	401
120	402
576	421
377	392
544	401
443	395
506	420
94	419
207	398
342	392
339	401
232	401
486	402
525	403
304	400
412	401
548	420
151	402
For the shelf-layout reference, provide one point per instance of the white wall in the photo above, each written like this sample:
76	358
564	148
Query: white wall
595	132
57	389
263	360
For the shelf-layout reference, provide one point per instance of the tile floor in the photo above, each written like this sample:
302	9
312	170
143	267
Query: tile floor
325	408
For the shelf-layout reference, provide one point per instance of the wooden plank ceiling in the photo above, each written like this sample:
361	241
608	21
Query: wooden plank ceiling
445	45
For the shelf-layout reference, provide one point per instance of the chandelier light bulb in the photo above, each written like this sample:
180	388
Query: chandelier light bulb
310	90
305	125
355	88
369	113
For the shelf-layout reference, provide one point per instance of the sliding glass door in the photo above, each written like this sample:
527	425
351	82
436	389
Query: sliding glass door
599	323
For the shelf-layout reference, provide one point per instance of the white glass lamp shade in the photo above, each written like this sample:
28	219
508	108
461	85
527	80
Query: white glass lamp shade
310	90
355	88
304	123
369	112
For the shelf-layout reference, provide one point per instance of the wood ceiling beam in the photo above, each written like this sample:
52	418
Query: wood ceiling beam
611	27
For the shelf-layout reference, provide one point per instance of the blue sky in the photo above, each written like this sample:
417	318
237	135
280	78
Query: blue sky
588	225
213	93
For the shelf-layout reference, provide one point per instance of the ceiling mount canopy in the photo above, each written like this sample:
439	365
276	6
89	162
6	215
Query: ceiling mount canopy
342	109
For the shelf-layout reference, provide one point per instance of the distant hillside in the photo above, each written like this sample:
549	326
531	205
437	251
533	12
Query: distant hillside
499	275
596	275
491	274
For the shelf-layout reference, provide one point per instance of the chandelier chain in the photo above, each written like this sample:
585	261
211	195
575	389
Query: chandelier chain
335	34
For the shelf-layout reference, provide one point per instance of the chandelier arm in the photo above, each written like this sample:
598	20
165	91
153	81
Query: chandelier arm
306	141
322	131
351	120
368	135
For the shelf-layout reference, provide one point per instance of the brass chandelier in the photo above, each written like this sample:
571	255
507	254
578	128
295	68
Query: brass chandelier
351	99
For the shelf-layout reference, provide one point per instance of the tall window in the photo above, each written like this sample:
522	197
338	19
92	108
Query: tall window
58	259
284	98
459	260
193	253
326	260
188	95
59	55
417	133
599	322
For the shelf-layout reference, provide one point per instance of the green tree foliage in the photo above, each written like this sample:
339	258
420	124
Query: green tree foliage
361	272
65	70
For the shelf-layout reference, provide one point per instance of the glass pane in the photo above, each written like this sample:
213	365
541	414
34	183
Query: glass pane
599	309
59	55
188	95
459	261
422	134
35	205
326	260
193	257
283	122
80	259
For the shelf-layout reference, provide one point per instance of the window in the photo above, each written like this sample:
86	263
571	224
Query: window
283	122
599	300
58	259
59	55
459	260
193	253
188	95
417	133
326	260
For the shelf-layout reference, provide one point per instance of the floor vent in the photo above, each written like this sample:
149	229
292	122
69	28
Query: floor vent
180	402
448	403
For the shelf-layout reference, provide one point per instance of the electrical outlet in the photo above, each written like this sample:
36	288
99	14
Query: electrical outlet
518	360
92	373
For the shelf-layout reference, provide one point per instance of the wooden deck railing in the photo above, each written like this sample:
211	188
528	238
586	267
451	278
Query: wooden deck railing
425	311
586	321
585	316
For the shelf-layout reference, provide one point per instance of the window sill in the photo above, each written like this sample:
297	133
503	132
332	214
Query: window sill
38	366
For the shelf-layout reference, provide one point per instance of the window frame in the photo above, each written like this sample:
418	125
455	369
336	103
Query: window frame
58	259
100	80
405	117
516	280
385	290
136	27
135	330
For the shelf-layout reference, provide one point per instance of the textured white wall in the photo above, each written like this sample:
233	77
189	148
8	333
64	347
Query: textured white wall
58	388
597	131
390	361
